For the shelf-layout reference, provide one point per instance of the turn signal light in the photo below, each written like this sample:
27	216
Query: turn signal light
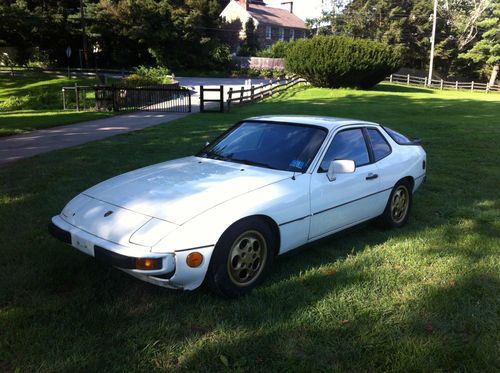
148	264
194	259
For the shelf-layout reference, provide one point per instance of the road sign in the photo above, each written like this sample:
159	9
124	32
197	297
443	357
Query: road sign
68	52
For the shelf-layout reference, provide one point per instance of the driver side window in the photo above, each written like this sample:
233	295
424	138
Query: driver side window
347	144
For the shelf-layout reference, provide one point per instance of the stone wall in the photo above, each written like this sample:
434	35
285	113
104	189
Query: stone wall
260	63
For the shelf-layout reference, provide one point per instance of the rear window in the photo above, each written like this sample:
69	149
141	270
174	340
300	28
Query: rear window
399	138
380	147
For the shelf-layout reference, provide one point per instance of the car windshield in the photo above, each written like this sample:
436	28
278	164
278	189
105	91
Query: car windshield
280	146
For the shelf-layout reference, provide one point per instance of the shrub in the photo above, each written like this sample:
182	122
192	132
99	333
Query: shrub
14	103
266	53
246	51
341	61
277	50
138	80
35	100
149	76
221	57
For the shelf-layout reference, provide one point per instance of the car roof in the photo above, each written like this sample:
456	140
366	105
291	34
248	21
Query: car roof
329	123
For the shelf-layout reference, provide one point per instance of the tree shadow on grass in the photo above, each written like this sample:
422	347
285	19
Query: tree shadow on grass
310	313
349	302
385	87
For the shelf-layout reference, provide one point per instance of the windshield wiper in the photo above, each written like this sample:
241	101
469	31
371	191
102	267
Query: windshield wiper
252	163
214	155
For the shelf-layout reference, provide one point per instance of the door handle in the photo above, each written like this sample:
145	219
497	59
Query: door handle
371	176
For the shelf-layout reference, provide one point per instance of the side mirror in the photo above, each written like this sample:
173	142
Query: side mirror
341	166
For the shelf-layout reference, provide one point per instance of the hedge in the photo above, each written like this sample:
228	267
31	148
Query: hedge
341	61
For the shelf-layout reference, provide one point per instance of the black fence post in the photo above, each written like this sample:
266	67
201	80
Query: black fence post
113	95
241	94
189	100
221	98
251	93
77	98
230	97
202	106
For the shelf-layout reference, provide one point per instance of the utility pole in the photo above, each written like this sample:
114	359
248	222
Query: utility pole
433	39
84	35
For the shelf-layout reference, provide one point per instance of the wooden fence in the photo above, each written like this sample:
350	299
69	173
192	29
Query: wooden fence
219	100
258	92
442	84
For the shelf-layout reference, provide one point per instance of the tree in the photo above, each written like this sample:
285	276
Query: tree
404	23
32	26
408	24
487	50
463	16
251	44
176	33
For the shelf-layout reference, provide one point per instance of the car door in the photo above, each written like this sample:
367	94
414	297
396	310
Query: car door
351	197
388	163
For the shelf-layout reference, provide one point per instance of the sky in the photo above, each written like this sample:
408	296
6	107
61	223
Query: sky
302	8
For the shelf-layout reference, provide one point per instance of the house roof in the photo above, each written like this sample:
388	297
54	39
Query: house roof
275	16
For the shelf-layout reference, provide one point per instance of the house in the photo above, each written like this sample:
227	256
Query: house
272	24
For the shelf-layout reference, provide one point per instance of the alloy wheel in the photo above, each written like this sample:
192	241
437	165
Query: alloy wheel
247	258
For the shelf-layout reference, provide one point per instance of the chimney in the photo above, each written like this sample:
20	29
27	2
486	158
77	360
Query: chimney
289	3
244	3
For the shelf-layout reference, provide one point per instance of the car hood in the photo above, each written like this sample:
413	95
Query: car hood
178	190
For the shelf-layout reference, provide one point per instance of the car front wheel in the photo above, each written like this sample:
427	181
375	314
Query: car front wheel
241	258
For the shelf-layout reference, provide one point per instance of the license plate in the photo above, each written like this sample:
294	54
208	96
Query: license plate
83	245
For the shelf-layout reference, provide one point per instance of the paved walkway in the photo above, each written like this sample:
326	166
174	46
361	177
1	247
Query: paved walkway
25	145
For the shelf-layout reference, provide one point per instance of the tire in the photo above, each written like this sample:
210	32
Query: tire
397	210
242	258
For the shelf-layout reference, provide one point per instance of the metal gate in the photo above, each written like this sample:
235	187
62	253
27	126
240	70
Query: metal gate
153	98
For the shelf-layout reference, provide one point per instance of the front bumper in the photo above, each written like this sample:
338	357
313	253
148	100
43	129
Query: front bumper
124	258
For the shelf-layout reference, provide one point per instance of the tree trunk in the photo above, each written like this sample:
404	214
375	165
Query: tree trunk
494	74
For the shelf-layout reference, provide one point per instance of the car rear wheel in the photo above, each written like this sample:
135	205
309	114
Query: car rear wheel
397	210
241	258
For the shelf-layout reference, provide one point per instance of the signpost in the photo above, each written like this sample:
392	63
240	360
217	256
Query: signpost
68	55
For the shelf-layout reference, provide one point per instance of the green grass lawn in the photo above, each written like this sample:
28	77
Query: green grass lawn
34	101
421	298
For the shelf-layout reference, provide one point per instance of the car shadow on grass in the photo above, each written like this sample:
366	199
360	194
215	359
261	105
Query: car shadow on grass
325	322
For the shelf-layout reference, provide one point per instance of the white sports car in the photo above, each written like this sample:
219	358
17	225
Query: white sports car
266	186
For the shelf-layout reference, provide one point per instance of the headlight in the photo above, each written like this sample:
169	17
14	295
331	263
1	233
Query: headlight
152	232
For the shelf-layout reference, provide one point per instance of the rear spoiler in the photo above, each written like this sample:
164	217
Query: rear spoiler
416	141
